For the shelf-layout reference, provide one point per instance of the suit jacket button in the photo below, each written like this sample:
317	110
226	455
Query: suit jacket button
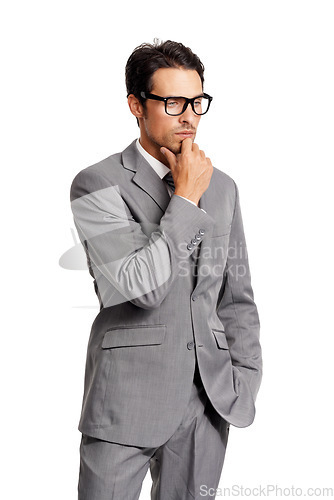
194	297
194	242
189	246
190	345
198	237
201	231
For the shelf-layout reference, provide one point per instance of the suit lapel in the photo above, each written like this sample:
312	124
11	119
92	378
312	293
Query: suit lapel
145	176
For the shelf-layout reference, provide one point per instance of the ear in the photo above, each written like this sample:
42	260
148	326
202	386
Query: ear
135	106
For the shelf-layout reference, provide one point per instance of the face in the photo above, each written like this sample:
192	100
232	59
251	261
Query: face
158	129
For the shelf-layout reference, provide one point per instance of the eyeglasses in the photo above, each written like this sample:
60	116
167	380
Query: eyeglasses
175	106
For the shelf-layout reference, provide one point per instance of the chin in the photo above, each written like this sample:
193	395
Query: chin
176	148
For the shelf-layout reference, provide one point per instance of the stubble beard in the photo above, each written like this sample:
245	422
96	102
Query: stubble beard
169	143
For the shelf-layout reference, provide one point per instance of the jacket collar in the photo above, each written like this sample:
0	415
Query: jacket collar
145	176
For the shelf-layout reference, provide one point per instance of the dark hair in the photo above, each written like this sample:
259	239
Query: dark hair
148	58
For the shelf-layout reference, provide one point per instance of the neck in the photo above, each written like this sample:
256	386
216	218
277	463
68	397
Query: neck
153	150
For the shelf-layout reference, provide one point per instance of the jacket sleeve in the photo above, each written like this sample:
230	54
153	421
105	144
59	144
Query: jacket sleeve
140	261
236	307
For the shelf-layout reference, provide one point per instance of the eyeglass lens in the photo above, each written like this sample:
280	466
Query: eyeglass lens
174	106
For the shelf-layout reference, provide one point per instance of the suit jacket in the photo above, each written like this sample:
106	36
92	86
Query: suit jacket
173	283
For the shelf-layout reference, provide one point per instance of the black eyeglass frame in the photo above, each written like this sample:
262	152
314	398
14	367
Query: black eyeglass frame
147	95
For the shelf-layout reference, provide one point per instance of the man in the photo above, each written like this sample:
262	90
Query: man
174	356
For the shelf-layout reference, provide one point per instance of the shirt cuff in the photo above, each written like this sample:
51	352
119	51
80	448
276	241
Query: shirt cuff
190	201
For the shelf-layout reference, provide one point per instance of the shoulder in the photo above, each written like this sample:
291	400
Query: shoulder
223	178
222	193
97	176
222	182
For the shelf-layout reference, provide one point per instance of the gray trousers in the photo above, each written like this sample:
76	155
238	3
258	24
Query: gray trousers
188	466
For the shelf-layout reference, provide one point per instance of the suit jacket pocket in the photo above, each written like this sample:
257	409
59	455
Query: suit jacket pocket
134	335
220	339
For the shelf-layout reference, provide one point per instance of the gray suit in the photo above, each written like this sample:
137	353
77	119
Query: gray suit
174	286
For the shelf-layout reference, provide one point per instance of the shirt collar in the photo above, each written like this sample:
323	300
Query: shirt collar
157	165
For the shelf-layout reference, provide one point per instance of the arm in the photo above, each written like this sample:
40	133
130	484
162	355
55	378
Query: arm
236	307
139	265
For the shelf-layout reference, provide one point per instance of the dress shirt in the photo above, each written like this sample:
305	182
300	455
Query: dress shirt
160	168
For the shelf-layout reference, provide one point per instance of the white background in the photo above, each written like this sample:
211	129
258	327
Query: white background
269	66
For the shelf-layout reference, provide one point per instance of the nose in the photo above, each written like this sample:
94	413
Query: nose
188	115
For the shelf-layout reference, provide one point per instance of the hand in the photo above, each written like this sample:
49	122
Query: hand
191	170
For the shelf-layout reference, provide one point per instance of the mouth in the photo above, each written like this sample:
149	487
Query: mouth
185	134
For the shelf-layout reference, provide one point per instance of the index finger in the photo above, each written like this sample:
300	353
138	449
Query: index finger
186	144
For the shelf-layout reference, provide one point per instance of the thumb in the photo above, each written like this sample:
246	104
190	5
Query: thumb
171	158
